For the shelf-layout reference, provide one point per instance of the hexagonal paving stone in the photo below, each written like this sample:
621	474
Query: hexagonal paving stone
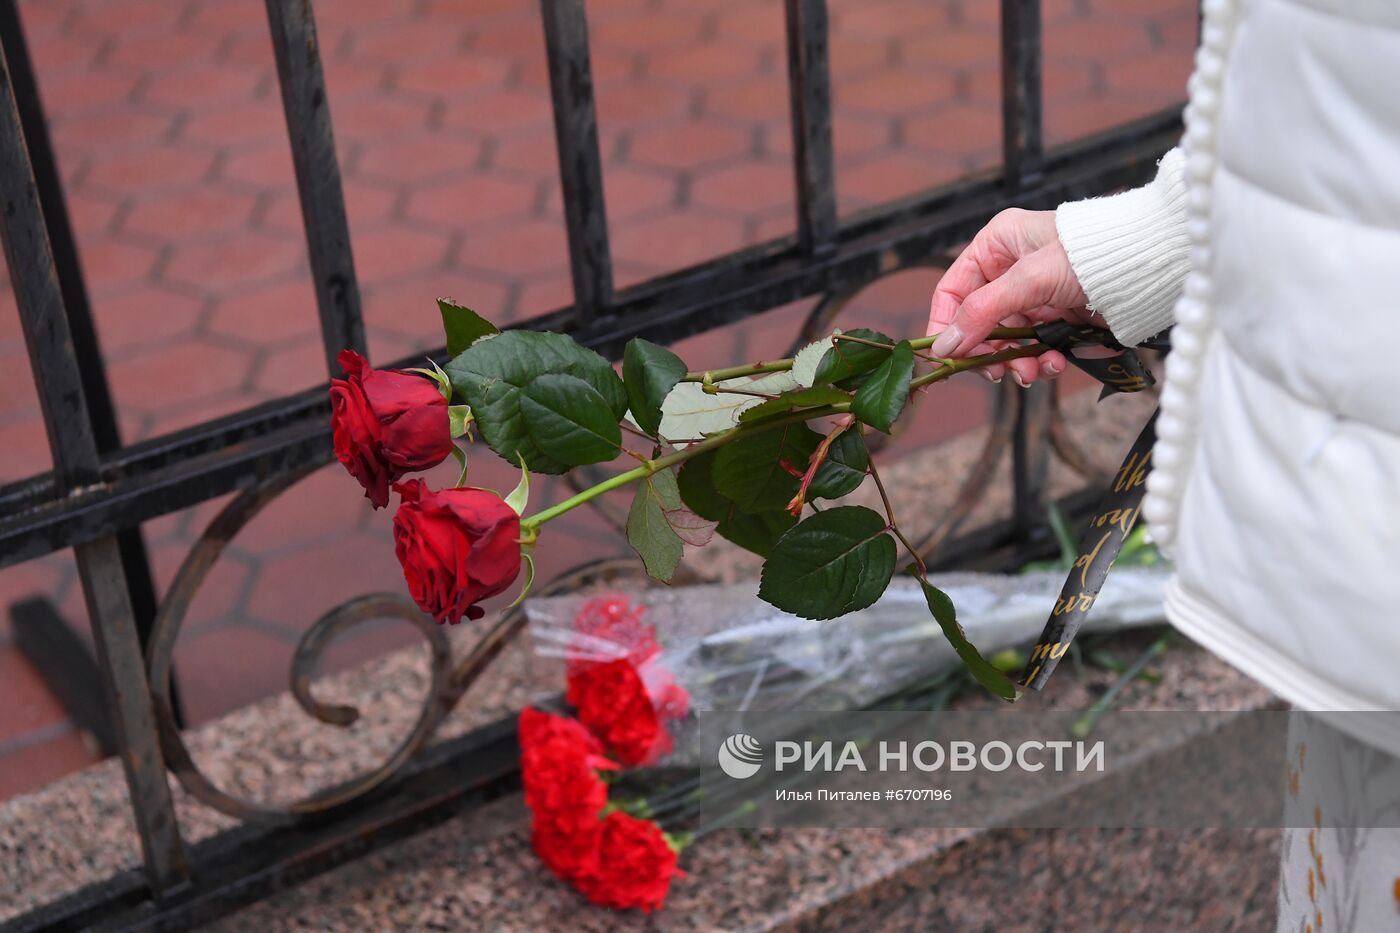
366	203
145	314
495	112
268	313
245	259
221	670
239	127
471	201
1157	74
290	365
524	247
423	157
743	189
325	506
892	176
890	19
673	241
171	377
636	103
185	214
407	307
893	92
150	168
297	587
387	252
204	86
220	591
457	74
110	262
709	62
367	118
627	191
958	130
690	144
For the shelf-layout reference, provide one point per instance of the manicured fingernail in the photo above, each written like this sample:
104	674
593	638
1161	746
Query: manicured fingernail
986	374
1019	381
947	341
1053	368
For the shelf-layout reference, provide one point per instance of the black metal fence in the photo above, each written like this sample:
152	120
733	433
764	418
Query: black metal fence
100	492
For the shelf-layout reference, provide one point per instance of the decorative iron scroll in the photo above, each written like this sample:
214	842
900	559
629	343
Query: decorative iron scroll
448	683
1117	513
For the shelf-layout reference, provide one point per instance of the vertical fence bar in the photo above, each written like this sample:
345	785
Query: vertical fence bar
809	82
308	114
1023	138
54	364
92	369
580	164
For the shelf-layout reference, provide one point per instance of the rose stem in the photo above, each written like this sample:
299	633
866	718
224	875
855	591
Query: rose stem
719	440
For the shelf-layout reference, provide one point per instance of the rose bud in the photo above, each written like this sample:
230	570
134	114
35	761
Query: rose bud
386	424
457	547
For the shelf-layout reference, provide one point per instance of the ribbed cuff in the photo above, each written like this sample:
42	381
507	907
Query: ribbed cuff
1131	252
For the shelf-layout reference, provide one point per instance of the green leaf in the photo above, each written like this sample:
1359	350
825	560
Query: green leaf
802	398
650	373
843	469
763	472
462	325
458	417
568	420
805	363
831	564
529	583
491	375
693	529
520	496
880	400
690	412
460	456
648	530
667	490
847	359
756	532
981	669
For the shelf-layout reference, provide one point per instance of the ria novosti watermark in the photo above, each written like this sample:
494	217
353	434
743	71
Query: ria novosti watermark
741	755
1027	768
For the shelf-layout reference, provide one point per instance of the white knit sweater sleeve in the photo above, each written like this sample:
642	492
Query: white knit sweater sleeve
1131	251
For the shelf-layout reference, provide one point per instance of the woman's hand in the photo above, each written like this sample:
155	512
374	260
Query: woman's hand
1015	273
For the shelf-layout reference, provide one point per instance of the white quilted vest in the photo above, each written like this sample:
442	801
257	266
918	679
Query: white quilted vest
1277	471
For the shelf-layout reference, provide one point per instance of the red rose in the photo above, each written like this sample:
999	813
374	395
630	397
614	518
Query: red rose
559	765
457	547
636	865
385	424
612	701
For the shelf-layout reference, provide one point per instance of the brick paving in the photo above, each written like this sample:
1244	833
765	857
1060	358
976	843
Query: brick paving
167	121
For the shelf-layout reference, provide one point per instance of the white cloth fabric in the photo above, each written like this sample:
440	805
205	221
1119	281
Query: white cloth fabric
1274	235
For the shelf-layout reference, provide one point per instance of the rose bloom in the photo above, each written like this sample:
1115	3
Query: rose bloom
612	701
559	765
456	546
386	424
636	865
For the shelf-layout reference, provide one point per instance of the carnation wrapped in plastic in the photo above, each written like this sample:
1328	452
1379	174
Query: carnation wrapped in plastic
634	663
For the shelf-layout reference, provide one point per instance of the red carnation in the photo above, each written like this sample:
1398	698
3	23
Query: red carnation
636	865
612	701
559	765
457	547
385	424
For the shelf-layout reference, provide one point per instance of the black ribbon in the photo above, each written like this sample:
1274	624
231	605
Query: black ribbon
1117	512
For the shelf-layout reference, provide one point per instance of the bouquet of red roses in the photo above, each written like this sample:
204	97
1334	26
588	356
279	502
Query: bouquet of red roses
623	703
757	454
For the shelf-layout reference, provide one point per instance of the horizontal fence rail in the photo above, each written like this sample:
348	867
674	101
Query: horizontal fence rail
100	491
